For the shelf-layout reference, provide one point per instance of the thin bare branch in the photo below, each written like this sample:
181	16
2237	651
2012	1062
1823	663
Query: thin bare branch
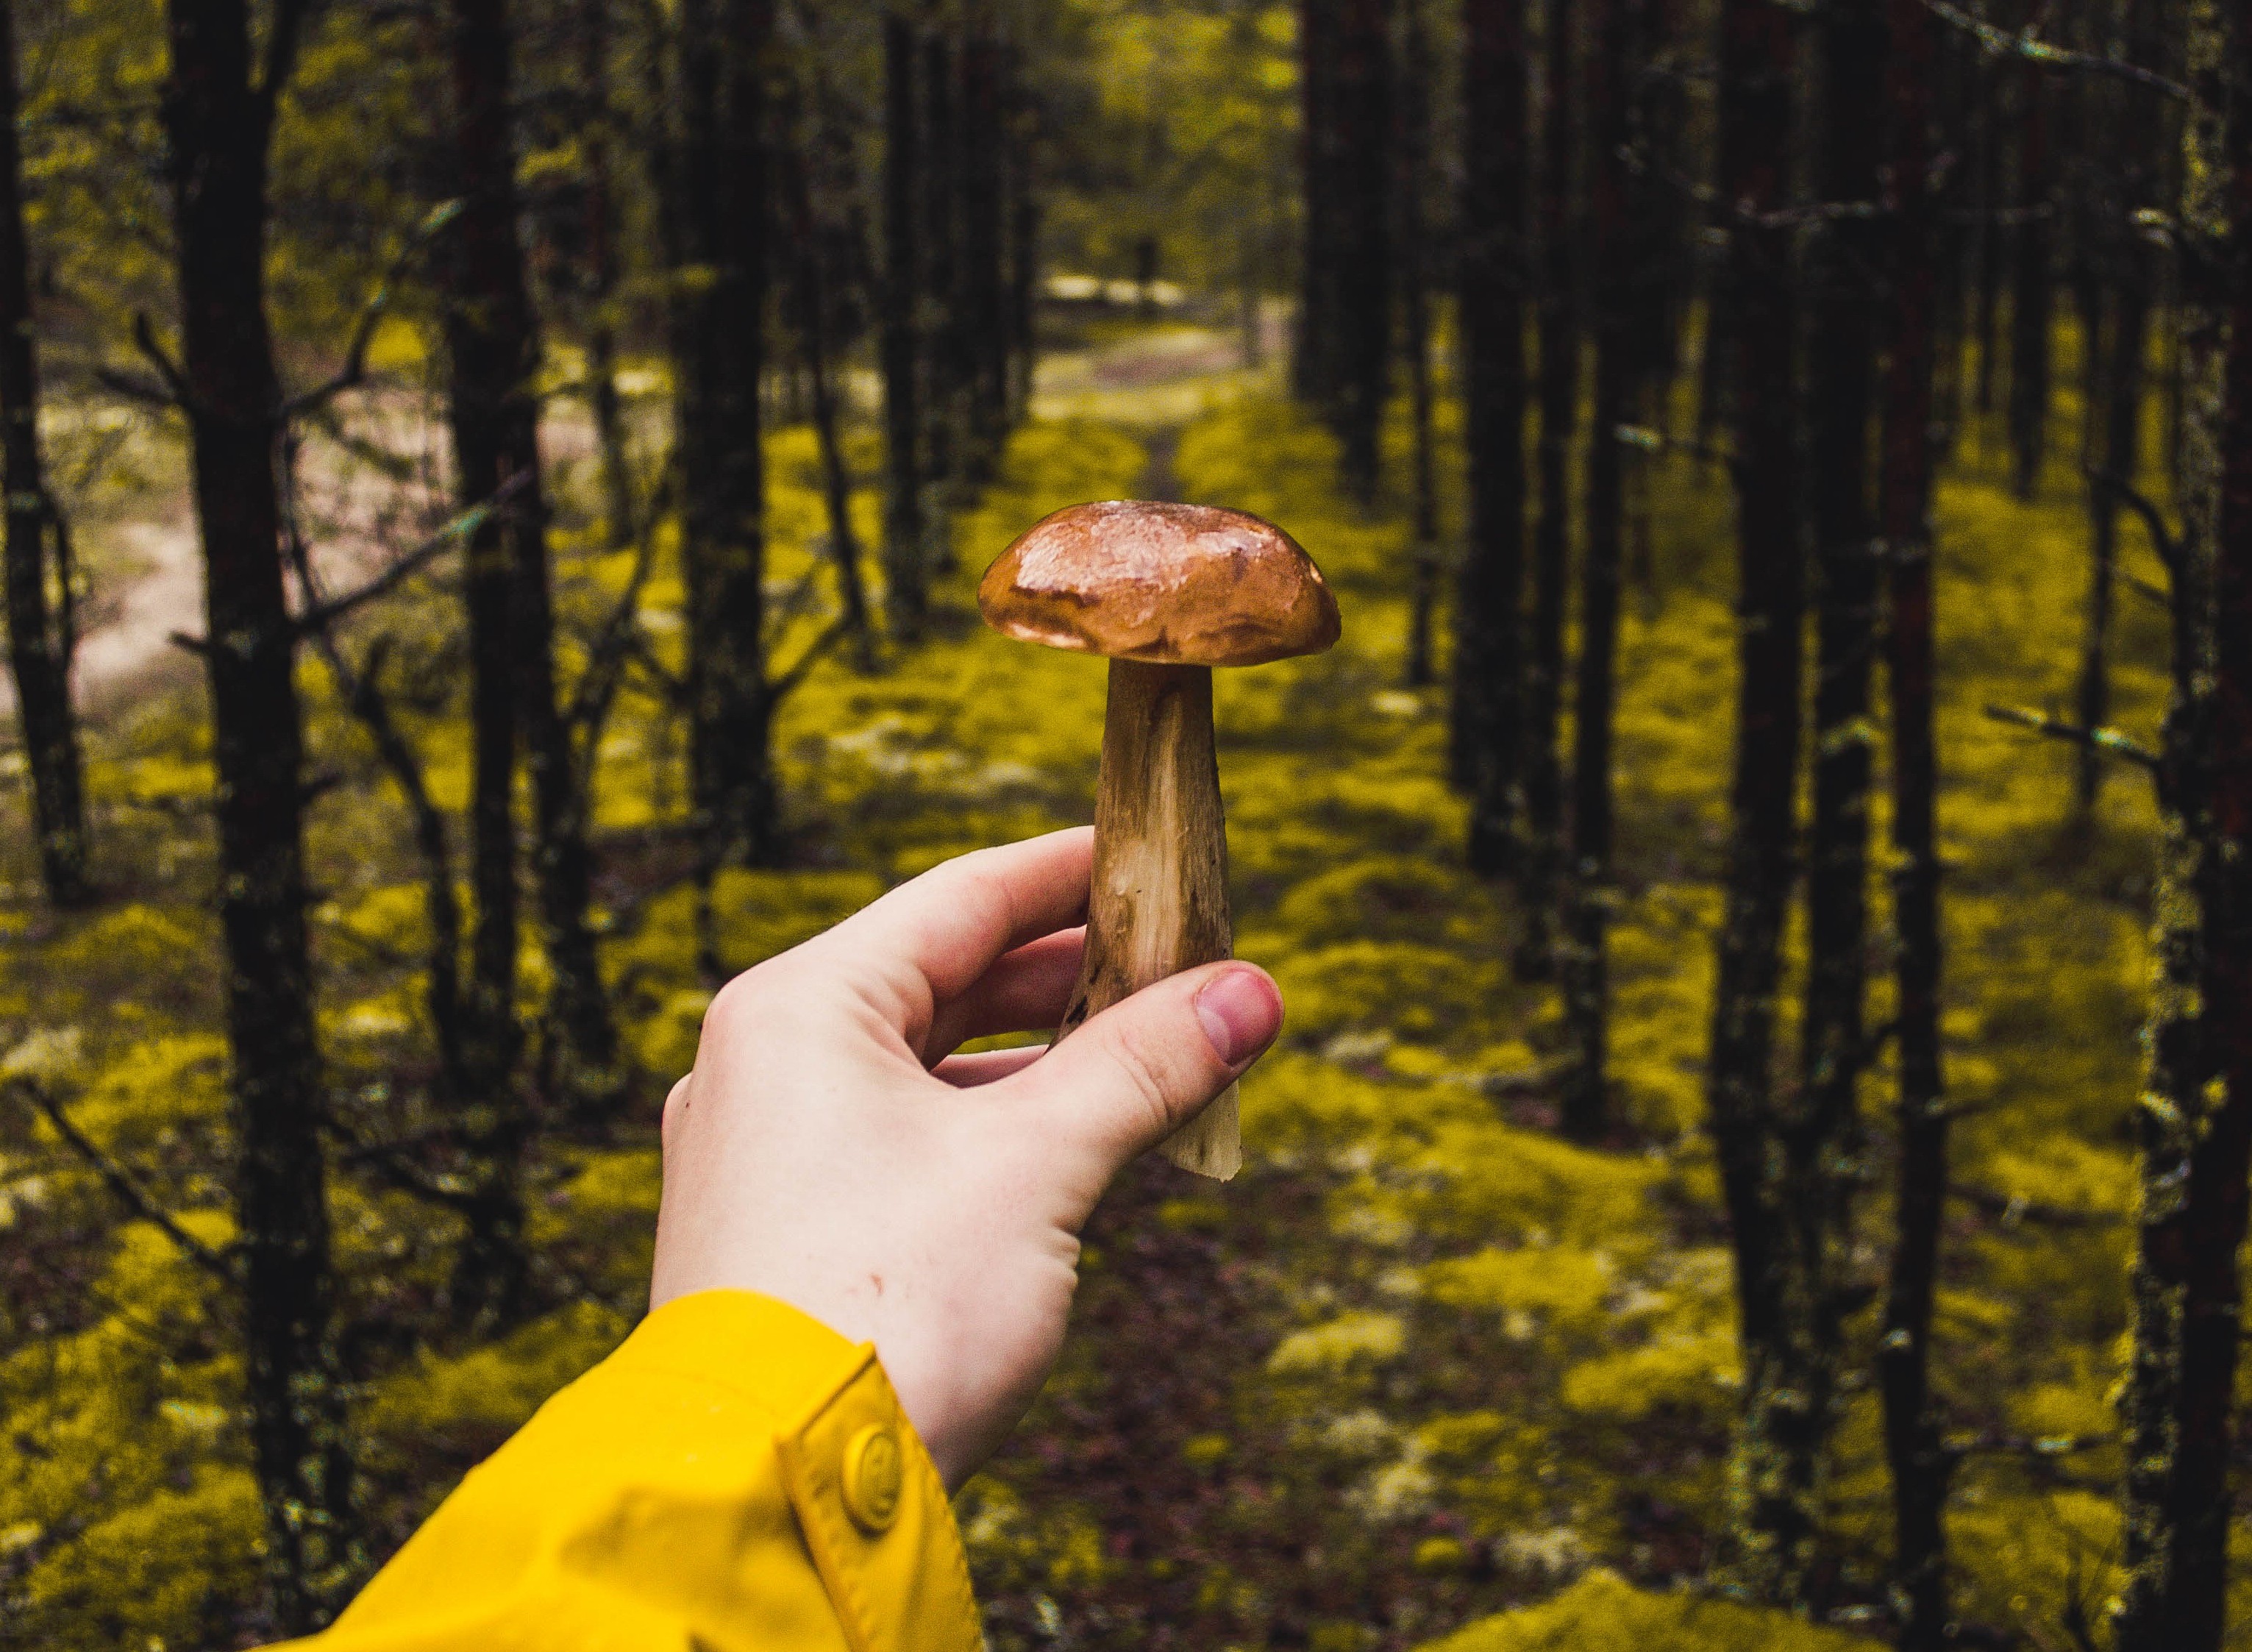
2028	46
316	614
353	373
122	1185
153	352
2163	540
2109	740
781	686
144	392
2013	1209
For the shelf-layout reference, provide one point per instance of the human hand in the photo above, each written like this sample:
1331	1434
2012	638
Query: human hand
831	1150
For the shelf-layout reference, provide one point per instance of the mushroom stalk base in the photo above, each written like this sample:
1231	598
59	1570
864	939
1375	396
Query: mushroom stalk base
1158	904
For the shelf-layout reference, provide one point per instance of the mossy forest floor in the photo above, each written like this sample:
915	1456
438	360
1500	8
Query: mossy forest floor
1422	1363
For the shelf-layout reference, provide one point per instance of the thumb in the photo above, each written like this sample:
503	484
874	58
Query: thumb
1134	1074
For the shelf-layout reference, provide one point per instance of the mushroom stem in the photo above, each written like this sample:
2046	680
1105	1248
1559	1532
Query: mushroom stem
1158	904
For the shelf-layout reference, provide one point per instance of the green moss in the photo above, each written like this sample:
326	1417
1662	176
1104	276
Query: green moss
1602	1610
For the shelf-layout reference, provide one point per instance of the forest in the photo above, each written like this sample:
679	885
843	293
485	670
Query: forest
1760	1150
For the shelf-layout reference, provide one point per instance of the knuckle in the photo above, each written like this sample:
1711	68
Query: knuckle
1147	1082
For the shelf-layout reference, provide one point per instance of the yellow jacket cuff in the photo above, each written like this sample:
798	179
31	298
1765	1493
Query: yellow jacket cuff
735	1478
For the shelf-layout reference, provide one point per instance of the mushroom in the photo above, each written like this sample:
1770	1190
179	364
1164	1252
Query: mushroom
1166	592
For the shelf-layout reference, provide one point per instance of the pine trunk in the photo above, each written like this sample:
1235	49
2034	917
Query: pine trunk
906	585
943	304
2195	1120
2030	307
38	647
1415	155
1558	391
1823	1145
494	338
1315	374
1487	667
1912	1439
1364	120
601	278
1584	958
1774	1513
218	125
984	153
2127	273
816	285
719	346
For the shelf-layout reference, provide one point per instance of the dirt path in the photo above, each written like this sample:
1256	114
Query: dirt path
147	562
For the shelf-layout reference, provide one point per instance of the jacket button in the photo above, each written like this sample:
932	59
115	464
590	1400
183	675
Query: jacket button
874	1472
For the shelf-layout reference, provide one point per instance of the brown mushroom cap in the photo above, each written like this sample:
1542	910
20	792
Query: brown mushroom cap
1168	584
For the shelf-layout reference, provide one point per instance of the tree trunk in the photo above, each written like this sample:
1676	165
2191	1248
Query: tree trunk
719	345
601	277
2195	1120
2030	308
1772	1518
1414	157
1912	1439
1364	120
815	287
1988	236
942	274
906	585
494	354
2124	384
1584	958
1488	667
217	123
494	340
37	646
1559	390
1315	374
985	154
1823	1145
1024	239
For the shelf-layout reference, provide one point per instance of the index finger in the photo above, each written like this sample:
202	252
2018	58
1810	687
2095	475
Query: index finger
950	923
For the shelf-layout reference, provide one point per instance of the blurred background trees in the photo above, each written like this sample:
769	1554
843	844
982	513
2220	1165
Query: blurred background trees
1779	462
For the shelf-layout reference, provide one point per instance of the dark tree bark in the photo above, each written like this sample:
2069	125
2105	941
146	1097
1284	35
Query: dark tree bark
1559	390
1584	958
814	285
1823	1144
601	275
1912	1439
985	298
38	648
943	334
906	585
2031	310
1314	371
719	346
1988	237
2127	276
1414	160
1364	122
1774	1513
492	354
1024	238
2195	1120
1487	667
219	120
493	340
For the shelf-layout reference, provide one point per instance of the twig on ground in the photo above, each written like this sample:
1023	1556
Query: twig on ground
120	1183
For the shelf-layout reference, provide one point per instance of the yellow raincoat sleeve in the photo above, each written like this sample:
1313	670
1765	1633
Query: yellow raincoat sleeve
735	1478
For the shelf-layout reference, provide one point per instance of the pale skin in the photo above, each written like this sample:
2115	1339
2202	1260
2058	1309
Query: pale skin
831	1150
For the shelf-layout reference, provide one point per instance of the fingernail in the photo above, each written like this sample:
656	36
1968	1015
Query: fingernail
1241	1013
